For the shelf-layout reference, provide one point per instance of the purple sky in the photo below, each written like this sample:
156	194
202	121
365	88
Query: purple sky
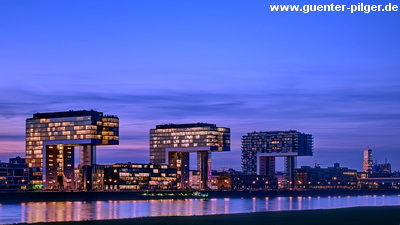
233	63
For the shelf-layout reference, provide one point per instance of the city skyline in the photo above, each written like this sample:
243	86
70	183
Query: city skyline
228	63
280	165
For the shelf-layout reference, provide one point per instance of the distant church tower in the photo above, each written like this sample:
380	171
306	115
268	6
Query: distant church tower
367	162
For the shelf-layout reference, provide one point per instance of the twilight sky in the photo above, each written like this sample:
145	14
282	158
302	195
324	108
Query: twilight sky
233	63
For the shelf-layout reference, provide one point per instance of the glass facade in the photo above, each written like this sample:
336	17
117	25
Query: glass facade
335	177
272	144
133	176
187	136
172	143
70	128
14	175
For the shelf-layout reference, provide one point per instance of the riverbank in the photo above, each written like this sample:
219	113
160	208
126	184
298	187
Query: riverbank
41	196
384	215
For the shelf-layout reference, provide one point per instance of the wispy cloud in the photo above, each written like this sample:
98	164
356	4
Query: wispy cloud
339	117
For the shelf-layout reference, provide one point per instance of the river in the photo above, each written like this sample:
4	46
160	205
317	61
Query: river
31	212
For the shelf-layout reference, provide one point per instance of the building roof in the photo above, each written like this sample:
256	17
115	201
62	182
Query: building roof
70	113
186	125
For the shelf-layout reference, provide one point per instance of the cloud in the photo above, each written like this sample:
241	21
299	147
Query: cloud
334	116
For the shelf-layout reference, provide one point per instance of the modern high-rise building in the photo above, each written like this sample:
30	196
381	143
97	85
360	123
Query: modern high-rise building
51	139
172	143
374	170
259	150
367	161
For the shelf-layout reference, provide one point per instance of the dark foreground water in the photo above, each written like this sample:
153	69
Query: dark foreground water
31	212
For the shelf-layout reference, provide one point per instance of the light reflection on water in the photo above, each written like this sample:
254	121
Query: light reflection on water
32	212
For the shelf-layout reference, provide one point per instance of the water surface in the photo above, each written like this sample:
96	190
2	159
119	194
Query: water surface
31	212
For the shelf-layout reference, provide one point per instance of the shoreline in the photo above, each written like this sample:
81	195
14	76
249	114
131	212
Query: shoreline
35	196
364	215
